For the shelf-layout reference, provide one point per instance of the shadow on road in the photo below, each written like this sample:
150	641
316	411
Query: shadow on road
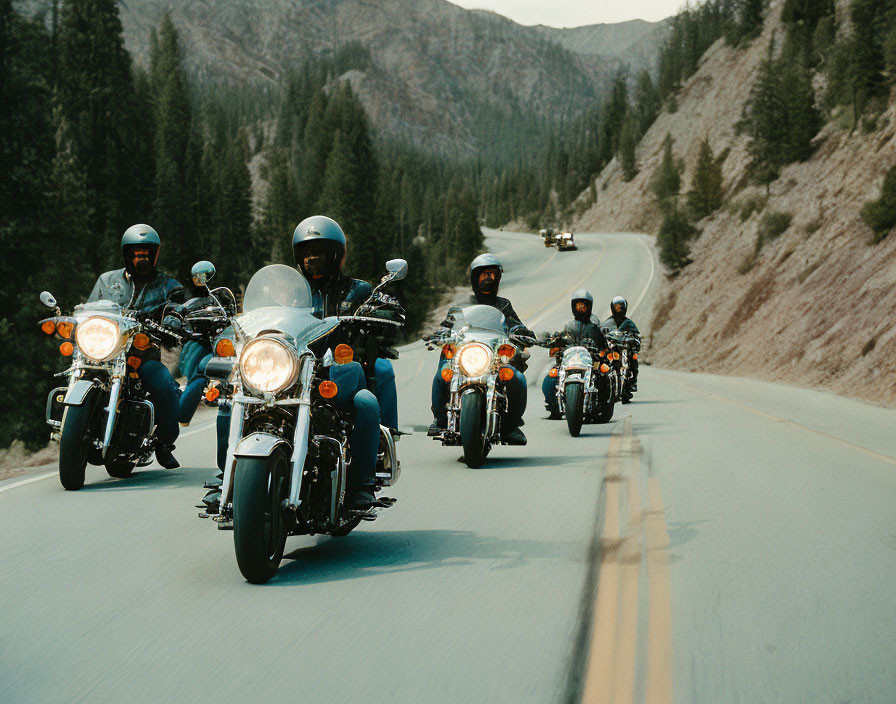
154	479
493	462
363	554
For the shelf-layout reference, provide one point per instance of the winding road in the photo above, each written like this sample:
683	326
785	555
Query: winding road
721	540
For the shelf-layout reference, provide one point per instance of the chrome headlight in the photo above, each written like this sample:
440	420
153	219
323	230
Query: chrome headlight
98	338
268	365
474	359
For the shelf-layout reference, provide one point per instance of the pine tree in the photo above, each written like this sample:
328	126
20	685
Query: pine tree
647	102
674	235
667	181
705	195
628	140
880	214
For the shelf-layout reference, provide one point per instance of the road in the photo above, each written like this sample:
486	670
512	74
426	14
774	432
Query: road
722	540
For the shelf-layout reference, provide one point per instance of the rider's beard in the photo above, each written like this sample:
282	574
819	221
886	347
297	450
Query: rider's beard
142	268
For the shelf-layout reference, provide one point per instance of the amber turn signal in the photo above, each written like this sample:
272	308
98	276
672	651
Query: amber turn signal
635	355
141	341
505	374
65	330
212	393
447	374
328	389
66	349
605	367
134	362
506	351
343	354
555	351
224	348
449	350
48	326
602	353
554	371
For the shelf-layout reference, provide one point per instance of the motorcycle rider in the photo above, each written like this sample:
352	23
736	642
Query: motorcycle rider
140	286
319	247
619	321
580	329
485	278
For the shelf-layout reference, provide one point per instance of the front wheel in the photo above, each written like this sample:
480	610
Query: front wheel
259	524
472	435
574	399
74	443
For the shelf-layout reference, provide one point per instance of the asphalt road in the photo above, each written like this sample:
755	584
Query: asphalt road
722	540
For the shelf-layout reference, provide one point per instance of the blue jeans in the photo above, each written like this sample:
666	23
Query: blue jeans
516	398
386	392
165	396
549	389
353	394
192	393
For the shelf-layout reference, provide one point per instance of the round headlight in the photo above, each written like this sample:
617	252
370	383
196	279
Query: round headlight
97	338
474	359
268	365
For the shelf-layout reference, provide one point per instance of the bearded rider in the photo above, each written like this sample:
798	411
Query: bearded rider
578	330
319	247
619	321
485	279
139	286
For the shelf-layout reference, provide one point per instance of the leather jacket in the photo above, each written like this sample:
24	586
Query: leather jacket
576	331
341	295
627	325
118	286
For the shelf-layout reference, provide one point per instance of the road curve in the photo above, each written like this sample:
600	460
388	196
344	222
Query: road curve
721	540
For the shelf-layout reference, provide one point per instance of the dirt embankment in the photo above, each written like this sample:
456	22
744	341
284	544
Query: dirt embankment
816	306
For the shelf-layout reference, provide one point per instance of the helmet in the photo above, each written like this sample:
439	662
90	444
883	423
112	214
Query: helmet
140	235
618	299
581	295
319	228
484	261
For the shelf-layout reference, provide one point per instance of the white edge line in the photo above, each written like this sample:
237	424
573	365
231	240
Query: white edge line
41	477
649	280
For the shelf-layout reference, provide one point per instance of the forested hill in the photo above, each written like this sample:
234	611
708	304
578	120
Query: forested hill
769	177
446	78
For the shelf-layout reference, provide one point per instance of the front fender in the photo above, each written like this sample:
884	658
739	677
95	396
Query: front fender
77	393
258	445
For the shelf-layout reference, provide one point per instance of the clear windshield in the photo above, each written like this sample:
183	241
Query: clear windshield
483	317
576	357
277	286
98	307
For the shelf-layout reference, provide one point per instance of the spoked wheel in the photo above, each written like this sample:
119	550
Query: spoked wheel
74	444
259	521
575	401
119	468
472	435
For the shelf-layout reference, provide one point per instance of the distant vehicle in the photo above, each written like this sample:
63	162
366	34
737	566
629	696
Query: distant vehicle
550	237
566	242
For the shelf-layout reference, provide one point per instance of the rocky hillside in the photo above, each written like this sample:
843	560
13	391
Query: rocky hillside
816	306
437	72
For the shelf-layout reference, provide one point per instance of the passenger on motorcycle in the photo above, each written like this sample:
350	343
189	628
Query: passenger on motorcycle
577	330
139	286
485	278
319	247
619	321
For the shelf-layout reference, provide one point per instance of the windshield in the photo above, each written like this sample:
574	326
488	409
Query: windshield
483	317
102	306
576	357
277	286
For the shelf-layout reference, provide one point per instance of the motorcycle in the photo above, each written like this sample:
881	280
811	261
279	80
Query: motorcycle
586	382
289	446
103	416
624	347
480	352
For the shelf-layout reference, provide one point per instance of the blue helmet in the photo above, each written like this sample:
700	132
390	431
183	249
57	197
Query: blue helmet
484	261
140	235
319	228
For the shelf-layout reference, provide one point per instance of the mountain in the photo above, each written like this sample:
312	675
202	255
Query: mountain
812	306
437	73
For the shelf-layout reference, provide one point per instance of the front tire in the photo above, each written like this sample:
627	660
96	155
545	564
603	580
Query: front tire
574	399
74	443
259	524
472	436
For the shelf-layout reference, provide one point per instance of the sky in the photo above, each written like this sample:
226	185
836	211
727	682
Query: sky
575	13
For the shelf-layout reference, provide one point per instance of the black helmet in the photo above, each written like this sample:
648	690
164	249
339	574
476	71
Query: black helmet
622	311
484	261
582	295
319	229
140	236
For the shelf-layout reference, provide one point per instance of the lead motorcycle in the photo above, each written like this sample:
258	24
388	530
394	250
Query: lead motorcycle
289	446
481	351
103	416
586	380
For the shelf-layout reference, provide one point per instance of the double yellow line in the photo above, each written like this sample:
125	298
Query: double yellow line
629	548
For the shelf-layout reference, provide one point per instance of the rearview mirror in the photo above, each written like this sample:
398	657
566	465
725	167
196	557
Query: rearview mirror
202	272
47	299
398	268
